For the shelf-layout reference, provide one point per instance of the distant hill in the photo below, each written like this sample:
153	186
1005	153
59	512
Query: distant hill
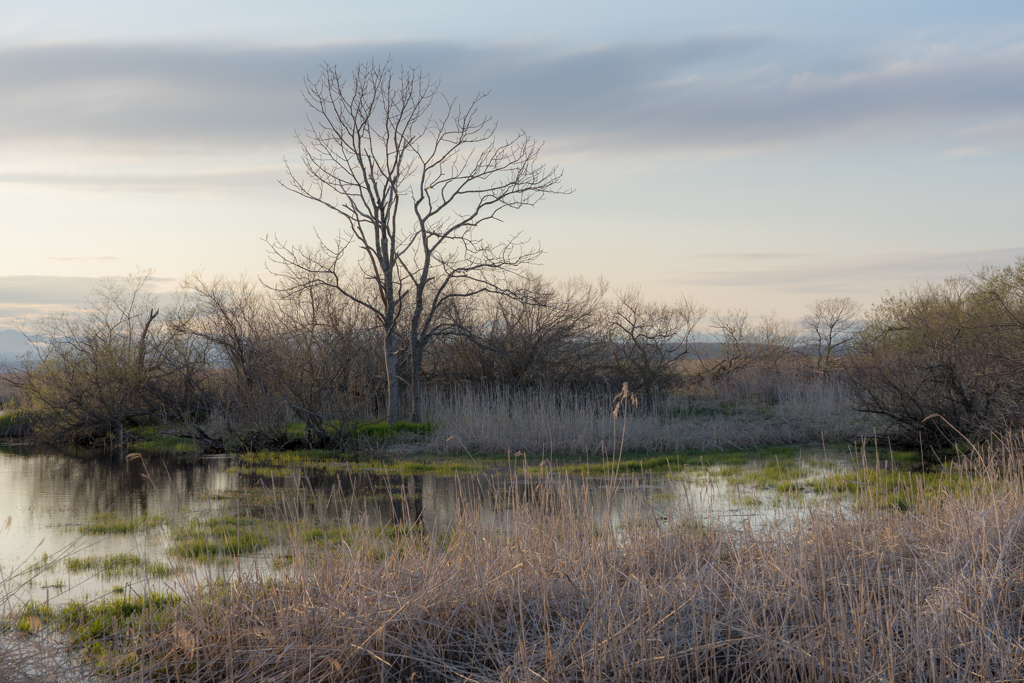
12	344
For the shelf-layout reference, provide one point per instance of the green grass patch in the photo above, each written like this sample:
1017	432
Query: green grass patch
282	459
333	534
899	489
382	430
413	467
99	626
295	430
263	472
637	463
29	619
88	623
113	523
14	418
281	464
118	566
709	409
209	539
150	438
785	476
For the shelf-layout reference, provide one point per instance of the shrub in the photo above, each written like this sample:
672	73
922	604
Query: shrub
945	361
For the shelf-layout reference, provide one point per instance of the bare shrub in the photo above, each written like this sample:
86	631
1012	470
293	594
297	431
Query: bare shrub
329	370
305	355
953	350
748	361
100	369
234	317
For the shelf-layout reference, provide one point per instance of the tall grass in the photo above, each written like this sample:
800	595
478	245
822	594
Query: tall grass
768	412
539	587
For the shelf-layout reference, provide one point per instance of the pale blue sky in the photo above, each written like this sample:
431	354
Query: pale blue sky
751	154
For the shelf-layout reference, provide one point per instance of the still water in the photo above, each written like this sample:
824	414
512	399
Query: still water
47	497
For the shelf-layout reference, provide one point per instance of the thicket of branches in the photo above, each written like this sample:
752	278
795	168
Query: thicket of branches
945	361
232	363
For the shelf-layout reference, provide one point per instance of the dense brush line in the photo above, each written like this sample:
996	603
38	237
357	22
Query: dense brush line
231	363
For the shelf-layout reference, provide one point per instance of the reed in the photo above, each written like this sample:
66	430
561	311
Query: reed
562	580
565	421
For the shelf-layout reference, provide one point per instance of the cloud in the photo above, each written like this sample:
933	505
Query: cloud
26	298
751	256
997	135
149	179
961	152
1009	128
38	290
817	275
80	258
715	93
68	291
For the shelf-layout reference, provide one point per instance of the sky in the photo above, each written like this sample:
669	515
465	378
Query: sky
753	155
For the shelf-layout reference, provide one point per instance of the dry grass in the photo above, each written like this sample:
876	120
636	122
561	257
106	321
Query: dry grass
542	588
565	421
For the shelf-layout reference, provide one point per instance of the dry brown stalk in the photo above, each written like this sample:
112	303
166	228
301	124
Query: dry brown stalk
498	419
547	589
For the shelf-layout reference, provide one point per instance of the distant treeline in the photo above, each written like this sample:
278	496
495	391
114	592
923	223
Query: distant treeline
231	363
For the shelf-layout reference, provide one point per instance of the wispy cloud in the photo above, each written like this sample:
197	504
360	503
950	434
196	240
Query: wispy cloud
816	275
1012	129
712	93
80	258
750	256
961	152
38	290
24	299
150	179
45	290
997	136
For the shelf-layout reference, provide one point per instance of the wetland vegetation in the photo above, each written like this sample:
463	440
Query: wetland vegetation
742	522
584	487
858	567
421	461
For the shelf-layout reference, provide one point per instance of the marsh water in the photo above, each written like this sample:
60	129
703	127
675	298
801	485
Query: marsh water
49	499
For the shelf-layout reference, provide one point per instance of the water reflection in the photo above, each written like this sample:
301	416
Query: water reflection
49	495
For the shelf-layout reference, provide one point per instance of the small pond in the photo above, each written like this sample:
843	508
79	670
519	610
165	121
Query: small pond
50	500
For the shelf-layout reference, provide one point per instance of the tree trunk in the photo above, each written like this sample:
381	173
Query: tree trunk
417	387
391	364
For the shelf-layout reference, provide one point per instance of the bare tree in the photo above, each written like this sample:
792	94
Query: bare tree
831	323
231	315
648	338
743	344
412	174
547	333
